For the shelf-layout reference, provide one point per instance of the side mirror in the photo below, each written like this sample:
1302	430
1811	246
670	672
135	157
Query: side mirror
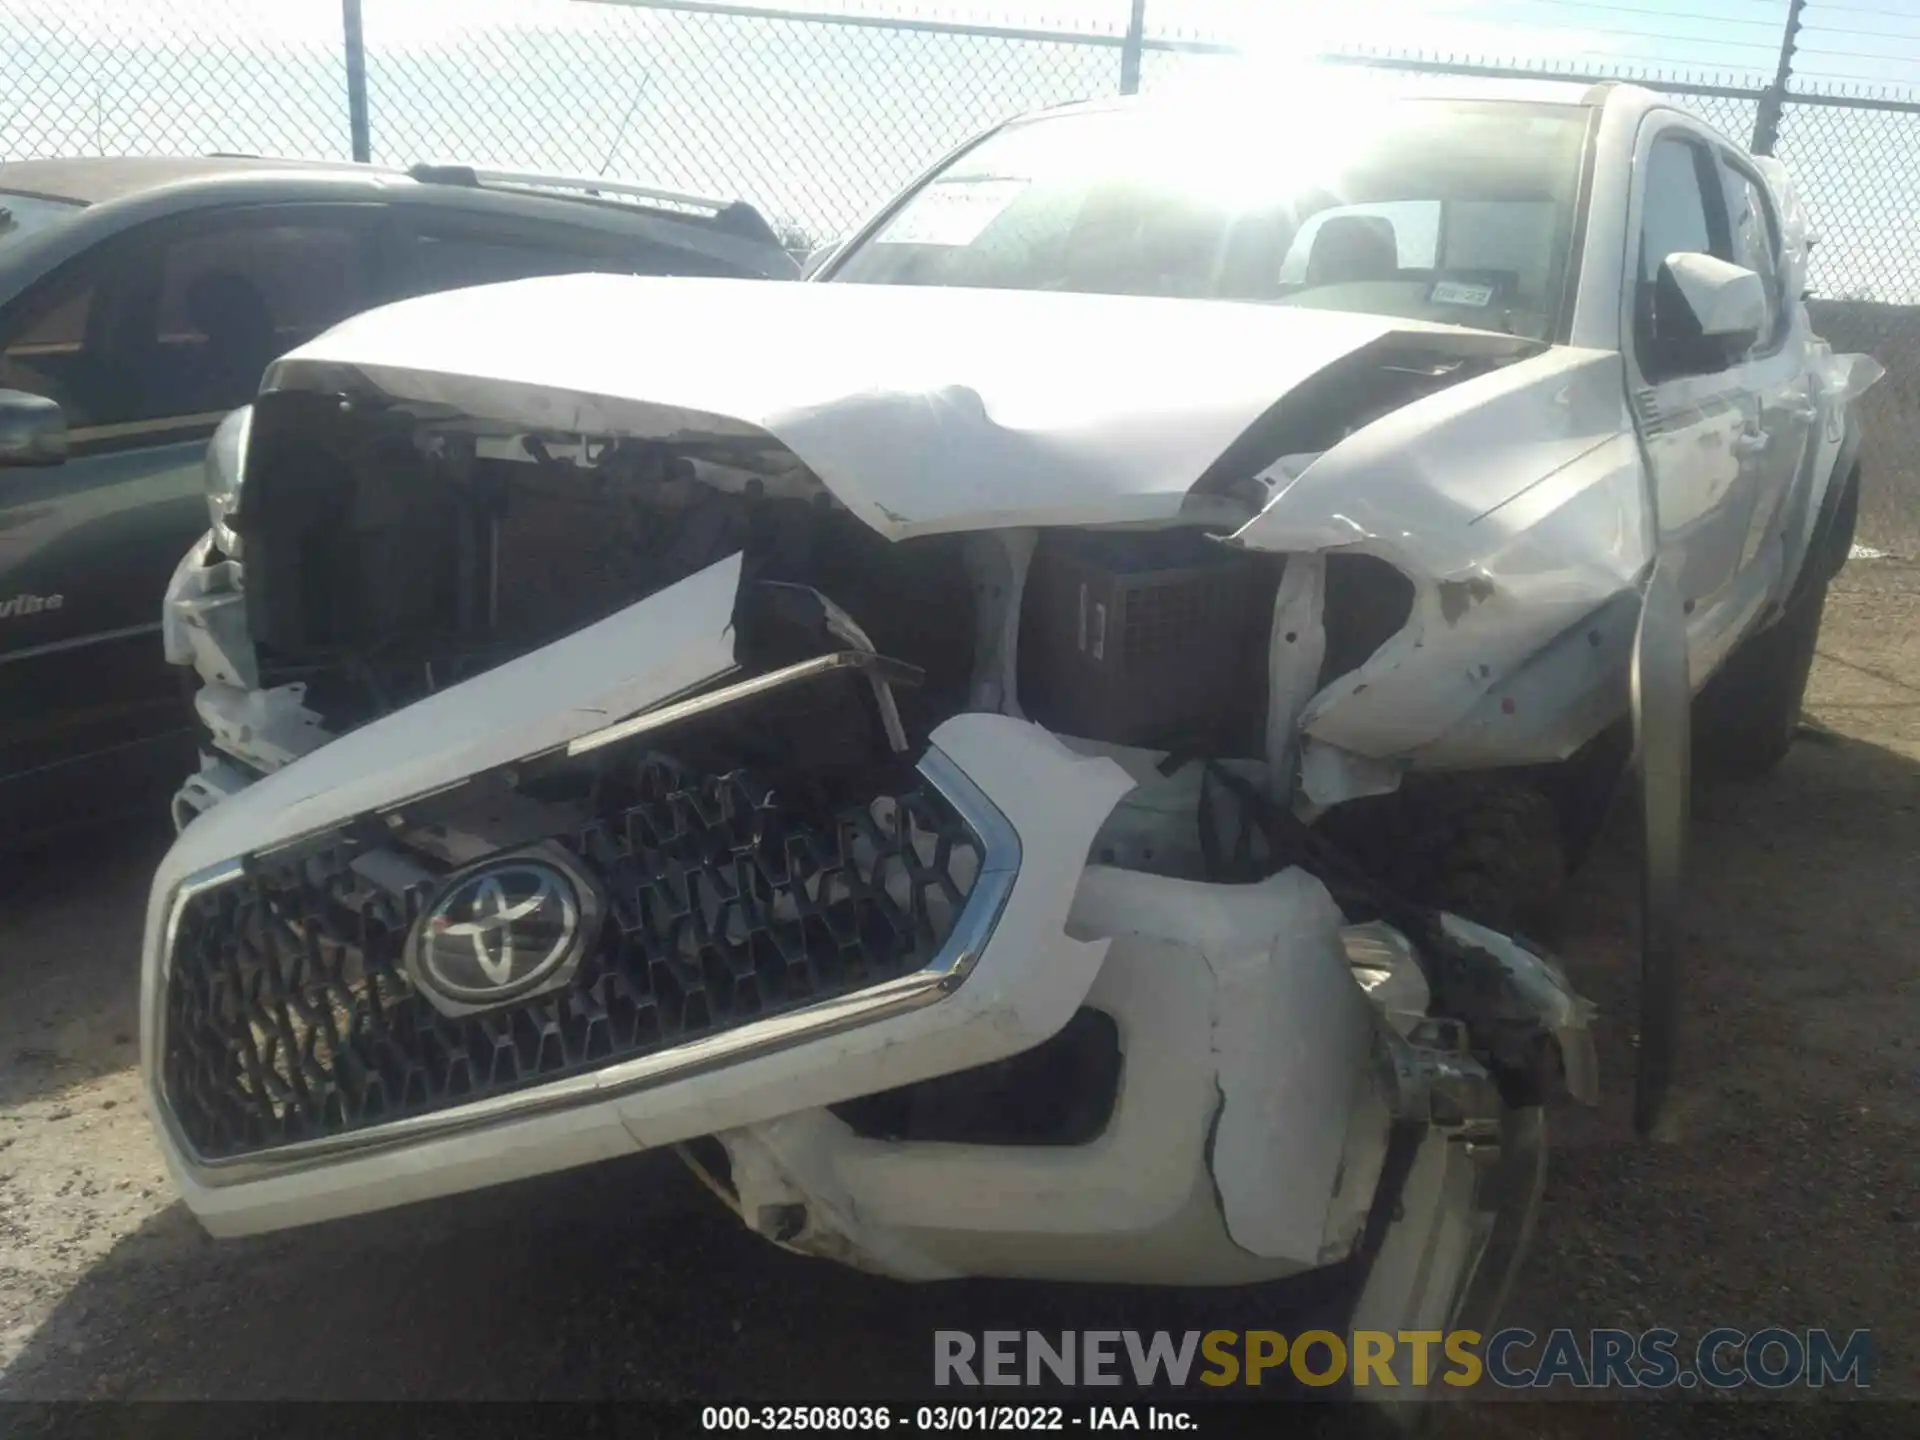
1717	300
33	431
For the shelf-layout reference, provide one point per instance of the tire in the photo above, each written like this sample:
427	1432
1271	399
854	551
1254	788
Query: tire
1486	847
1745	717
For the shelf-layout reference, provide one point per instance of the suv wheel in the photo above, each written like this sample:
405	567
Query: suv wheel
1745	717
1487	847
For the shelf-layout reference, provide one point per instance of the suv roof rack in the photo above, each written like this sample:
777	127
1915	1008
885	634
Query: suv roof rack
736	216
439	173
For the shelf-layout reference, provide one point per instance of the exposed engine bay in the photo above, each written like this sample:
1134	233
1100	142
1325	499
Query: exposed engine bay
452	546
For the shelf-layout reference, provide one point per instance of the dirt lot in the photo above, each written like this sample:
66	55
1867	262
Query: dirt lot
1788	1193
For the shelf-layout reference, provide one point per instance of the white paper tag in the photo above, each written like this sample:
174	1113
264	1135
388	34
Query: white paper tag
953	213
1459	292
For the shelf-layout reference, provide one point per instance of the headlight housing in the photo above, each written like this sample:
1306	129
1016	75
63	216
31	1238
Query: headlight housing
225	472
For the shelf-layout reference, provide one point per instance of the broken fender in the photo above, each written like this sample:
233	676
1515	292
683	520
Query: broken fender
1515	503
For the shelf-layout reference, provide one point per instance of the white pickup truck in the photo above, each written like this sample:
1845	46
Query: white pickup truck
1017	753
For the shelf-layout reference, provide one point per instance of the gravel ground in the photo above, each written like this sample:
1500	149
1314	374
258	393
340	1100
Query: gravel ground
1786	1193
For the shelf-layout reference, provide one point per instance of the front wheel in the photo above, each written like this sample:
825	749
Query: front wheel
1488	847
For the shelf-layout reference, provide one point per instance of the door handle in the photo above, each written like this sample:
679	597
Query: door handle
1751	442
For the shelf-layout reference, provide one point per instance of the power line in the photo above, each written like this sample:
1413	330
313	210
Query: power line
1713	42
1859	54
1865	10
1819	29
1852	75
1661	14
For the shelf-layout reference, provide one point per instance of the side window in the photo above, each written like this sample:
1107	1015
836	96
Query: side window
306	278
44	344
177	320
1682	210
1756	245
452	254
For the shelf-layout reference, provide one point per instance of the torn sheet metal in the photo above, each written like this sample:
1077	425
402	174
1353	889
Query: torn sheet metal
637	657
914	406
1250	1138
1331	776
1297	647
266	729
1245	1145
1542	991
203	621
1514	502
1290	1037
1838	382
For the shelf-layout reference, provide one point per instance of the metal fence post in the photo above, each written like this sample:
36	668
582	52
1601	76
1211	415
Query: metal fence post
356	49
1130	49
1766	115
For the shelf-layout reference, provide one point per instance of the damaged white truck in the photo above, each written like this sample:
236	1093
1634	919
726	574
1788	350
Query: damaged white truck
1020	754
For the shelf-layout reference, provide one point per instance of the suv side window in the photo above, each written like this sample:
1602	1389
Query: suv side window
1756	245
232	298
44	344
158	332
449	252
1683	208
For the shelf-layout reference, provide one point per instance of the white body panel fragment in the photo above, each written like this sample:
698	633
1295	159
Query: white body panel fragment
1194	976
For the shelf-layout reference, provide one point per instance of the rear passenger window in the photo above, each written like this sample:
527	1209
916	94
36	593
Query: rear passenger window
237	291
452	252
175	320
453	257
43	349
308	277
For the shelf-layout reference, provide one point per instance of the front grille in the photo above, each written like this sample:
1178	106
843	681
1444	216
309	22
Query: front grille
290	1017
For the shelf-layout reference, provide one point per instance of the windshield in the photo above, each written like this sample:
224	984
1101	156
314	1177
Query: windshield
1452	211
26	214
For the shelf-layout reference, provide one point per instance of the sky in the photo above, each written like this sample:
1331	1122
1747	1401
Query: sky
1847	41
817	123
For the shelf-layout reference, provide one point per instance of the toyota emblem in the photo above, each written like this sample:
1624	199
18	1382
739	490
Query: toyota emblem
503	930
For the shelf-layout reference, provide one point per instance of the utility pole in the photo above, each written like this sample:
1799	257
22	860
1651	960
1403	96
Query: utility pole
356	48
1131	49
1766	119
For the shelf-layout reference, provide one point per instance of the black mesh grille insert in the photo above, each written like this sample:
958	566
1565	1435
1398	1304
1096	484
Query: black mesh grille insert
289	1015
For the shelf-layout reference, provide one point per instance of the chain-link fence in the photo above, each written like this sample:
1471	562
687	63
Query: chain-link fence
92	77
815	122
815	116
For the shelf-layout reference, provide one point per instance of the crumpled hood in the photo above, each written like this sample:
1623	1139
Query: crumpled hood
922	409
